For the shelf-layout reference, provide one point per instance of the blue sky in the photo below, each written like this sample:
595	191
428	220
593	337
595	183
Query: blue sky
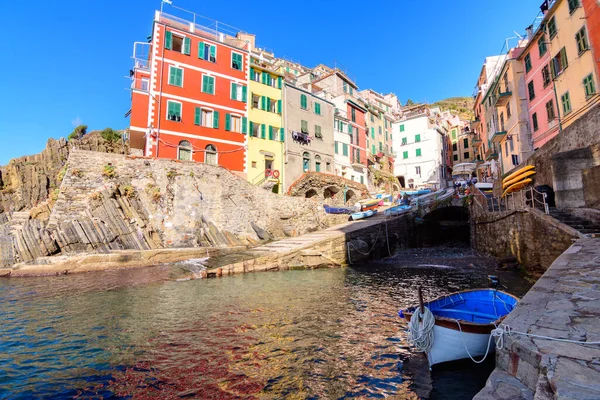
68	59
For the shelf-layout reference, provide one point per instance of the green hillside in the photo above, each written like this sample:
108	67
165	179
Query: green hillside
461	105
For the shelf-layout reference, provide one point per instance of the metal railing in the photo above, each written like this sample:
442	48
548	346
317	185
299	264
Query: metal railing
516	201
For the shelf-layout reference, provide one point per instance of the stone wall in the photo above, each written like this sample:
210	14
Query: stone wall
328	188
113	202
530	236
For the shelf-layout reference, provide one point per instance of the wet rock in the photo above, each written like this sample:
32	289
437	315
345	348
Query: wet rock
260	232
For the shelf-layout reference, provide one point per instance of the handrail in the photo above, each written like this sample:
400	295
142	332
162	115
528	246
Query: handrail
514	201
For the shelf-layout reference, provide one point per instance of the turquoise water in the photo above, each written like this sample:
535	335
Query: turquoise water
299	334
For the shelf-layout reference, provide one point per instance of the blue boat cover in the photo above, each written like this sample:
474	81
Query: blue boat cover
337	210
482	306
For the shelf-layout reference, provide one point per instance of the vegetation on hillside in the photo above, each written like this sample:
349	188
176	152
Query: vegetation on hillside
463	106
78	132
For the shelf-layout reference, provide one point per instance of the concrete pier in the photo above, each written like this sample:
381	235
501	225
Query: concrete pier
564	303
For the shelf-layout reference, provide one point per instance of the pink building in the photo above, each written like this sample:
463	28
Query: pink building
539	87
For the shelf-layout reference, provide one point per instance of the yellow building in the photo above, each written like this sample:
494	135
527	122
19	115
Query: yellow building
265	153
572	63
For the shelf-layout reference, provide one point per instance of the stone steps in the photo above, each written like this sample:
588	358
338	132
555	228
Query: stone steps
580	224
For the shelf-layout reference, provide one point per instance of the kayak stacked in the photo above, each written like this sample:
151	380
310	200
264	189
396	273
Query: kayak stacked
517	180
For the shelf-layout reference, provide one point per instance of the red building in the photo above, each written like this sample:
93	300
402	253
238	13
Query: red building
592	16
189	93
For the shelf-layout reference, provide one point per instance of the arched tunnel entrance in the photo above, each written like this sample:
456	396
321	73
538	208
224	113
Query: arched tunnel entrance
444	225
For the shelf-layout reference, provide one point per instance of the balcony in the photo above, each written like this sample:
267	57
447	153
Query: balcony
475	123
476	142
490	154
503	93
498	136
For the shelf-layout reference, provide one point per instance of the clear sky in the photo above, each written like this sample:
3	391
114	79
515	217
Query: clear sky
66	60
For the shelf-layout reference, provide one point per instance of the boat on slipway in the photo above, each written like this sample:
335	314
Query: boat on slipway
397	210
337	210
458	325
363	214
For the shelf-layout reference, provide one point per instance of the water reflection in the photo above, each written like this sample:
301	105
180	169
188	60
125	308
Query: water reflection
298	334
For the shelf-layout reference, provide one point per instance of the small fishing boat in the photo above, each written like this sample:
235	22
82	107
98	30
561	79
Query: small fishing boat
397	210
415	192
458	325
363	214
368	204
337	210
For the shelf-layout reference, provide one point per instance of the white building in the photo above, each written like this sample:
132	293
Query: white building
419	144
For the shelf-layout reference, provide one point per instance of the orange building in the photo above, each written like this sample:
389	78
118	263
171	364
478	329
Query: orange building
189	93
592	15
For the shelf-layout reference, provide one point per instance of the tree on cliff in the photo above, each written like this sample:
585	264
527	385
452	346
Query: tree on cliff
78	132
409	102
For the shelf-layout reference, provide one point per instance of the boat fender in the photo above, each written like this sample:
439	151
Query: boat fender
400	314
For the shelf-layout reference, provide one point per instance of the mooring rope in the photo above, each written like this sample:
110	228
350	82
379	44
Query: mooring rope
420	329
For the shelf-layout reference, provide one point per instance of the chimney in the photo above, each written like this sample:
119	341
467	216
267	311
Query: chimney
529	31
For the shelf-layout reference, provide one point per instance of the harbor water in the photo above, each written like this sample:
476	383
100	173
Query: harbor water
330	333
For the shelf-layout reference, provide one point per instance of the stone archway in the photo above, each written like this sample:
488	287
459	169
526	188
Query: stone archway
401	181
330	192
310	193
350	197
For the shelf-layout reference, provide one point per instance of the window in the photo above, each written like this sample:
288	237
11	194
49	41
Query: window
453	134
254	129
418	170
208	118
207	52
174	111
527	63
372	118
454	146
317	108
417	138
405	154
184	151
455	157
238	92
208	84
511	143
515	159
465	143
254	75
372	133
235	123
145	84
255	101
177	43
305	162
573	5
362	179
236	61
546	75
582	41
531	90
380	130
318	163
418	153
559	63
508	111
303	102
304	126
272	105
566	103
175	76
404	141
210	155
542	47
380	146
335	148
465	155
588	84
372	149
345	149
353	112
318	133
550	110
535	122
402	128
272	133
552	27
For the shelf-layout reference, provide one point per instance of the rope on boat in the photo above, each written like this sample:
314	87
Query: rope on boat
420	329
467	350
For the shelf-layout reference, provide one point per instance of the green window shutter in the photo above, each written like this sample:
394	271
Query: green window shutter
279	106
372	149
303	101
263	103
279	82
172	76
418	152
252	74
212	85
216	119
179	77
168	40
233	91
304	126
372	133
402	128
250	126
263	129
244	94
186	45
244	125
205	85
264	77
178	108
282	134
335	147
405	154
201	50
380	146
213	52
417	138
227	122
197	113
345	149
563	58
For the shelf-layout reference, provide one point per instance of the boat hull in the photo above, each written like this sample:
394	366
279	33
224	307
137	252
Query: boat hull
450	345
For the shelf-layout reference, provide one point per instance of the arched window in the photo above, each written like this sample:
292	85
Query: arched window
210	156
305	162
184	151
318	163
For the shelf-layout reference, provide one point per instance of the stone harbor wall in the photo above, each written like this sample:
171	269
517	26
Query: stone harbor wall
328	188
531	237
112	202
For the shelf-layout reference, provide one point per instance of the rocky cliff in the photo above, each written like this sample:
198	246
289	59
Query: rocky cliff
108	202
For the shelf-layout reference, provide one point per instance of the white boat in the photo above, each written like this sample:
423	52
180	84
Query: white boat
397	210
463	323
363	214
